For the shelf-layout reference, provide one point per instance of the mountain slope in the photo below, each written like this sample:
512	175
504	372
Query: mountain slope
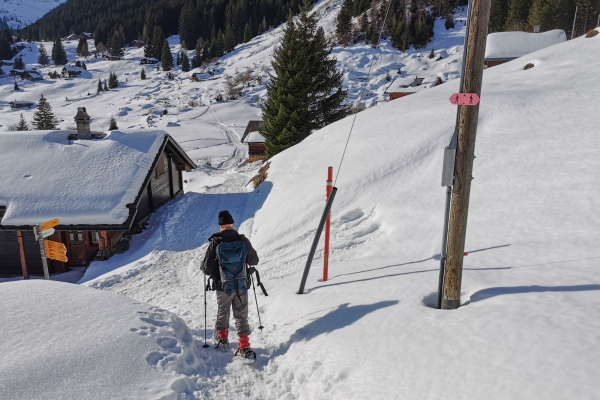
529	321
20	13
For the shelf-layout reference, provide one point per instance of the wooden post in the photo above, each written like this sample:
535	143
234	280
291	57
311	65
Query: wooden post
102	244
465	152
23	254
327	225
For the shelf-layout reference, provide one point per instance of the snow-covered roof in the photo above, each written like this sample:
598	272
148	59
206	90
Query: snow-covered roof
72	68
11	62
34	74
510	45
88	182
406	84
255	137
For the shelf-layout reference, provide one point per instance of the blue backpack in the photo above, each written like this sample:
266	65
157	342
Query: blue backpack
232	266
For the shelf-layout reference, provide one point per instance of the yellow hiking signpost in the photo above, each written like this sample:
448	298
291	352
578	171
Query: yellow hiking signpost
49	249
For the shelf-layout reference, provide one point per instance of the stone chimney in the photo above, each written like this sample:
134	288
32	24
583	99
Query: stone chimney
83	123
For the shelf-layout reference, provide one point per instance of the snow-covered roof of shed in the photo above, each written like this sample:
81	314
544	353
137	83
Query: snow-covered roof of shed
88	182
405	84
255	137
72	68
510	45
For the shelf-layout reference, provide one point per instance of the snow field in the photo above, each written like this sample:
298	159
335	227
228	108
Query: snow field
528	324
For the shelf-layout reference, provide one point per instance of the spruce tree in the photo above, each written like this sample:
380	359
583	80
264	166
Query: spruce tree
247	33
343	26
19	64
185	62
449	23
113	124
99	87
306	92
143	74
78	64
115	44
518	11
59	56
83	66
22	126
16	88
43	118
166	58
43	58
82	47
113	82
105	87
197	58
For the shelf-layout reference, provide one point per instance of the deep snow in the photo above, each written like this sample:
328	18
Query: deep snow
528	327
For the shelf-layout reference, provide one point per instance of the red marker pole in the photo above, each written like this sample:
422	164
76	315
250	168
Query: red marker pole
327	224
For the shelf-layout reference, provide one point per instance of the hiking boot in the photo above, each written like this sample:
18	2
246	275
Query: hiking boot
244	349
221	339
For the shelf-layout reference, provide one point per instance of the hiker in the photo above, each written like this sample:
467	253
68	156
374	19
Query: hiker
232	294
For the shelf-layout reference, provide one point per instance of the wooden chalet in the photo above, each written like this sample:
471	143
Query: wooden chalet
32	76
6	63
407	85
149	60
255	141
72	37
110	57
70	71
16	72
99	185
502	47
86	35
21	104
199	77
137	43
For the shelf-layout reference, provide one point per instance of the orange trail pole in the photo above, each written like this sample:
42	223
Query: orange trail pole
327	224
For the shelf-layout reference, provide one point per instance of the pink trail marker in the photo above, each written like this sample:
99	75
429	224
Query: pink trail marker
464	99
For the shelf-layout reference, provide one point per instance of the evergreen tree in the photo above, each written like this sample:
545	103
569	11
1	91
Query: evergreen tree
247	33
188	25
105	87
83	66
185	62
166	58
43	58
518	11
115	44
113	82
197	58
78	64
59	55
303	96
113	124
449	23
43	118
19	64
343	26
22	126
82	47
178	60
16	88
5	50
498	15
143	74
99	87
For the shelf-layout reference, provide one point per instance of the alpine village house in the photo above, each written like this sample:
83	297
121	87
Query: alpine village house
99	185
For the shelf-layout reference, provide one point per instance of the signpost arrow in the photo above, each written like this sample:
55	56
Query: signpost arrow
49	224
55	250
464	99
45	233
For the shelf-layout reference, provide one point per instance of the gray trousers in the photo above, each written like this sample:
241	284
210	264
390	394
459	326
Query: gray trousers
240	312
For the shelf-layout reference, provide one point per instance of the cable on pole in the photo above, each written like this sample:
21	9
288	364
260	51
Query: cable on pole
368	75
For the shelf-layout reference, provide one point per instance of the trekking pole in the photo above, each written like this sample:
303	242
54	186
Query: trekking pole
256	301
205	345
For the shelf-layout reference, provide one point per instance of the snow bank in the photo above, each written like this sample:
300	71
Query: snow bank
62	341
529	324
86	182
509	45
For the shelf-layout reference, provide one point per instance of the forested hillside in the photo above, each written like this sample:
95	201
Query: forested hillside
234	20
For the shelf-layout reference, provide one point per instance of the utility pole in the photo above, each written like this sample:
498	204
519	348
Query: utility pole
465	151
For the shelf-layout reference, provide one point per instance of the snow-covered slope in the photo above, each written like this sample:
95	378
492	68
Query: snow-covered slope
62	341
20	13
528	326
